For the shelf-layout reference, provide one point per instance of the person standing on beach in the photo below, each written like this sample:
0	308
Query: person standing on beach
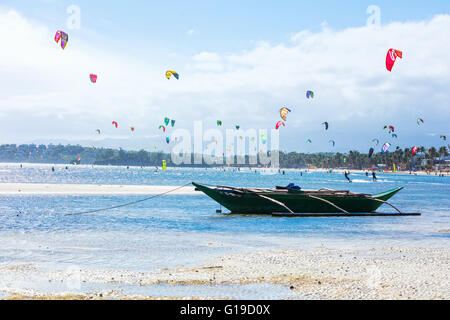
374	177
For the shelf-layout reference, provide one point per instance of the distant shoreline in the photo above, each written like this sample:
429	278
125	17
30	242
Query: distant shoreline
243	167
400	172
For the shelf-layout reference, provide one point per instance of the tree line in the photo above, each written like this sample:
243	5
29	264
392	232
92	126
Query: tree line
403	159
76	154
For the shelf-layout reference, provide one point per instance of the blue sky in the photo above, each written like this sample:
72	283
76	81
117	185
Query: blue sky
239	61
219	25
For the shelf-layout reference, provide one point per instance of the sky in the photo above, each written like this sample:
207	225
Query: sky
239	62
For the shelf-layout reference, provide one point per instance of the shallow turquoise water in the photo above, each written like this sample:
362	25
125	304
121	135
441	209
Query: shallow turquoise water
185	230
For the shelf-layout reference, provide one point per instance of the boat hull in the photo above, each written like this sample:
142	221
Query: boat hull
251	203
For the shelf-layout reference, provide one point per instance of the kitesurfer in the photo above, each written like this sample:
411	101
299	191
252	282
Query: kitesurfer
374	177
346	176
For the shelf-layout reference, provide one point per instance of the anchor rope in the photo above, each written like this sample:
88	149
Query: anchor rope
128	203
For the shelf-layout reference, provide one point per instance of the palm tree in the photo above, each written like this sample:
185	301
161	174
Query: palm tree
442	153
407	158
432	153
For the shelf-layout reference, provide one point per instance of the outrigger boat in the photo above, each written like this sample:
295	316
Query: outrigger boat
293	201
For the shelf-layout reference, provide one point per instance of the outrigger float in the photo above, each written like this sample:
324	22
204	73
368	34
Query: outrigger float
295	202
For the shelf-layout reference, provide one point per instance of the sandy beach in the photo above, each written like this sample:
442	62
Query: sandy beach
381	273
89	189
102	189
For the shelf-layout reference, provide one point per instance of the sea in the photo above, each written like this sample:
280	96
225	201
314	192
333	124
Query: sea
172	231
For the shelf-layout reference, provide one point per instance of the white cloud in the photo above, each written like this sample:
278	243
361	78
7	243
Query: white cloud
208	61
190	32
345	68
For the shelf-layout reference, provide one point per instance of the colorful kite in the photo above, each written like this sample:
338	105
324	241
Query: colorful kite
385	147
391	128
172	122
263	138
326	125
93	78
64	37
309	94
391	56
279	124
283	113
172	73
164	128
114	123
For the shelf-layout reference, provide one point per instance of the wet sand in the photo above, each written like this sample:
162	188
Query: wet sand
382	273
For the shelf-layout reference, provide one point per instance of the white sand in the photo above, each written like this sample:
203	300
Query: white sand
92	189
384	273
